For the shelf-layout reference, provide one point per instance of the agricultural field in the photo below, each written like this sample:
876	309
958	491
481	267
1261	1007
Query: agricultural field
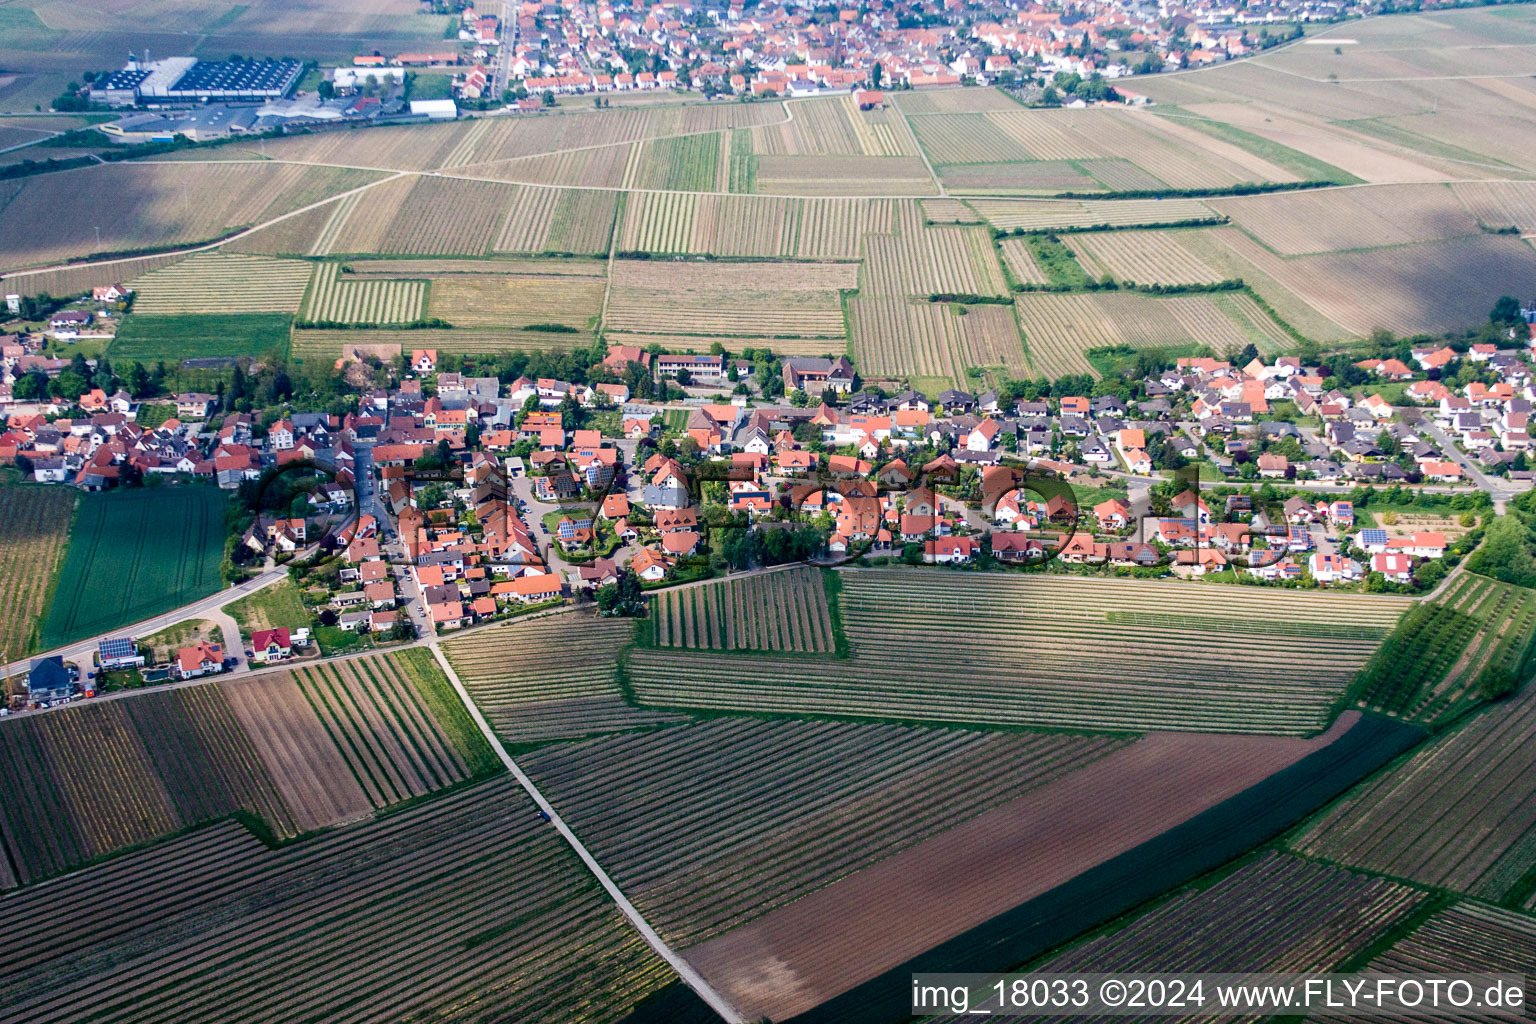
558	220
1048	214
107	775
782	611
416	215
842	176
34	531
1141	257
550	678
1500	204
1064	653
1465	937
779	300
681	816
1277	913
1059	329
165	204
453	908
80	280
494	300
391	740
934	341
1432	667
219	282
149	338
124	564
688	163
337	298
1457	815
1334	220
1100	840
833	127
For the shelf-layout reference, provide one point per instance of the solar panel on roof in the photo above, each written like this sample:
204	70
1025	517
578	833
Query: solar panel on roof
117	647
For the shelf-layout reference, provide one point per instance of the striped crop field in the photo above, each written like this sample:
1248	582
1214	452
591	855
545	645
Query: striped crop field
687	163
1021	261
456	908
34	531
553	677
498	300
220	282
789	300
1045	214
1278	913
108	775
1142	257
1430	668
418	215
385	342
1465	938
779	611
365	301
558	220
708	825
833	126
1059	329
391	741
1053	652
895	337
1460	814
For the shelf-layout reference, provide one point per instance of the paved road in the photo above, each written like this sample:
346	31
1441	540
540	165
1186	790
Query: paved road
81	652
1498	489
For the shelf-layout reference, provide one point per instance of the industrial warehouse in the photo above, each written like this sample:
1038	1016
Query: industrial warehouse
183	80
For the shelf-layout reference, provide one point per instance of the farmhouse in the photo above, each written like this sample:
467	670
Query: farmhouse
269	645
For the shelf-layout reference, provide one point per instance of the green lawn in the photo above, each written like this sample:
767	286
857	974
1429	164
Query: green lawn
192	336
275	607
136	554
152	415
431	87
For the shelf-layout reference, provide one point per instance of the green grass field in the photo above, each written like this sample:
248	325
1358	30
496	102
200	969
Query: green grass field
149	339
135	554
274	607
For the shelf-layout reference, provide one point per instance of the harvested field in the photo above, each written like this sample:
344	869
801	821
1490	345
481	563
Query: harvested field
299	754
494	911
219	282
550	678
493	300
123	564
391	740
1143	257
1044	214
781	611
792	300
154	205
1428	287
1499	204
873	920
953	101
1087	667
108	775
34	531
683	816
1457	815
417	215
1332	220
339	299
602	168
416	147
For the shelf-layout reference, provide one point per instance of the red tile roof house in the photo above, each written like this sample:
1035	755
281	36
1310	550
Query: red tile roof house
269	645
201	659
